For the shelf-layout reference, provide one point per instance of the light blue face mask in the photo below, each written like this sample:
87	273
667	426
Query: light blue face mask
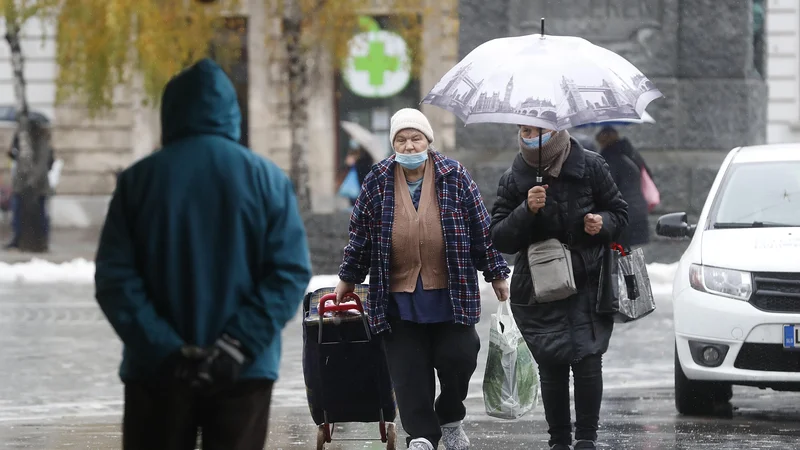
534	141
411	161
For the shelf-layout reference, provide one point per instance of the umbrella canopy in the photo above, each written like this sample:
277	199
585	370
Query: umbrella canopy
646	118
9	114
552	82
366	139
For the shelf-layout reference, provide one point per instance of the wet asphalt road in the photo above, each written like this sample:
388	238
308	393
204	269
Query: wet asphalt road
59	390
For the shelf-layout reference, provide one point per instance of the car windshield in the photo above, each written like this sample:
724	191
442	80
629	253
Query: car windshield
760	195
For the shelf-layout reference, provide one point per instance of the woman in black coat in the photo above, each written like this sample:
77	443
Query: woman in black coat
626	166
580	205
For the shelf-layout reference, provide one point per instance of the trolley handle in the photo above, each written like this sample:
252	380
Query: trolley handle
322	309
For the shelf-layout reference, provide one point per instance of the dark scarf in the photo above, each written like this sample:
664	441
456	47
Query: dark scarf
554	152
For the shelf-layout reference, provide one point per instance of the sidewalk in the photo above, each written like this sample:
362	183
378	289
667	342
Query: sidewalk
66	244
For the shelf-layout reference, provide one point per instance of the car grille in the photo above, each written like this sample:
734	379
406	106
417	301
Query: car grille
776	292
767	357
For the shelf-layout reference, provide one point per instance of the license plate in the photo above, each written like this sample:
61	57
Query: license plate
791	336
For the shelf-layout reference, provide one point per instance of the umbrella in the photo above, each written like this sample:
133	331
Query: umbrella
646	118
365	138
9	114
529	80
552	82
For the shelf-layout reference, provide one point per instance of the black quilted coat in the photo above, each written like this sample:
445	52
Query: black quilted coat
565	331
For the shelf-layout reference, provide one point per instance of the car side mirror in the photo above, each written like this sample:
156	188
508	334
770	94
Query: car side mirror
675	225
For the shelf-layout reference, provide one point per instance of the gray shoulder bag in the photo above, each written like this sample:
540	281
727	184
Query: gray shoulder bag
550	261
551	271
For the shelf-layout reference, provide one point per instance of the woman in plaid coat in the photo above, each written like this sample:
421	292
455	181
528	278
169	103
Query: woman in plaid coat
420	230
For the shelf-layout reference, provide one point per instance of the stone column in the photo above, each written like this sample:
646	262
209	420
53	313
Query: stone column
260	93
440	41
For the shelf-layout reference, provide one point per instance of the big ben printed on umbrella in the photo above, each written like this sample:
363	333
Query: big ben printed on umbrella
552	82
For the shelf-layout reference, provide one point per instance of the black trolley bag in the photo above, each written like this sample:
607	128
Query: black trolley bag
345	369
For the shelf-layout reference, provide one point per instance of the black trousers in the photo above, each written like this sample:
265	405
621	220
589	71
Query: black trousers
588	378
167	417
416	354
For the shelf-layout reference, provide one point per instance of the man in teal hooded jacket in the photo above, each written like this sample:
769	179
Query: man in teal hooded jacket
202	261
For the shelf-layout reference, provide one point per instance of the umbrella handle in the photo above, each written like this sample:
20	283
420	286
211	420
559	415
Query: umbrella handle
542	26
539	172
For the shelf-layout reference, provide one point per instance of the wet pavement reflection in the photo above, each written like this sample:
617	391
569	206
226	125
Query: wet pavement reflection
60	390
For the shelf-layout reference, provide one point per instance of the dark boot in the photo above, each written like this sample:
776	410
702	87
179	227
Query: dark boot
585	445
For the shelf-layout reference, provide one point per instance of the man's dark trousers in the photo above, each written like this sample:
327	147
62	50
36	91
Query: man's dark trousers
168	416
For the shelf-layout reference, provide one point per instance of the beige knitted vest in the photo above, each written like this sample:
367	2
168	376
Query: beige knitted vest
417	237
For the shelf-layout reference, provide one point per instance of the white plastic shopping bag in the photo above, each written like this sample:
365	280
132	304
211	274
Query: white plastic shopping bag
511	381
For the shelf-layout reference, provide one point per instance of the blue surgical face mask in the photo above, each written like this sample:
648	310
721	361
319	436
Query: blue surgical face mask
411	161
534	141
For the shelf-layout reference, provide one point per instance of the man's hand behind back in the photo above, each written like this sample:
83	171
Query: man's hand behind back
202	368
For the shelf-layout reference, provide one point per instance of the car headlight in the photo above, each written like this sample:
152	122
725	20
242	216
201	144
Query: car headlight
725	282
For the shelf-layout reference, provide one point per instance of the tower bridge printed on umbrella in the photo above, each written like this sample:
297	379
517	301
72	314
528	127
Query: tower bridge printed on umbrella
553	82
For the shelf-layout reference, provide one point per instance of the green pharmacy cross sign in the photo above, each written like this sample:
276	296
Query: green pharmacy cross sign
377	64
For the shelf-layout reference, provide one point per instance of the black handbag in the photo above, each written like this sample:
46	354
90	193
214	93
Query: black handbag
608	289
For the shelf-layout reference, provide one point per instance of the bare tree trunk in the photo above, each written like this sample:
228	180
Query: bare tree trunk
31	170
297	66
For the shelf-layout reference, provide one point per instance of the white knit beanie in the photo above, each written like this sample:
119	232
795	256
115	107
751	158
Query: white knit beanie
410	118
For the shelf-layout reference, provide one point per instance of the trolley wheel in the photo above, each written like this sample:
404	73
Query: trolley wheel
382	428
391	436
321	439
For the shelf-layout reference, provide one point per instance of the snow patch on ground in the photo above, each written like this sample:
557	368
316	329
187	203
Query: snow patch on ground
81	271
39	271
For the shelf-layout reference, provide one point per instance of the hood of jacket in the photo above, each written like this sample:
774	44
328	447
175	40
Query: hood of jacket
200	100
624	147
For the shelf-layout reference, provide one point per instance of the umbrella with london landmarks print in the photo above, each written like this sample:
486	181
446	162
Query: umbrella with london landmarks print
550	82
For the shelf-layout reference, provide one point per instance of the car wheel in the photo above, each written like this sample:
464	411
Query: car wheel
699	398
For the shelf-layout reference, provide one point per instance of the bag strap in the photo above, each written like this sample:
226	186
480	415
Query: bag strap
504	310
505	317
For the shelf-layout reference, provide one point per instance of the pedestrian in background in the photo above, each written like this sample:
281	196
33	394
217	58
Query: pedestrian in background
359	162
626	165
202	261
41	140
421	230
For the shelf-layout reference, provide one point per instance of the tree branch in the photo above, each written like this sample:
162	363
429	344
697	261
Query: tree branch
319	4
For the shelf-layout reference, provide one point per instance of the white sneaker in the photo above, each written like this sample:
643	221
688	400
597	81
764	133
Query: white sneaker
420	444
454	437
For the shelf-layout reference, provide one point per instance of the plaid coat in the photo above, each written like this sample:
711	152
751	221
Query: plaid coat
465	223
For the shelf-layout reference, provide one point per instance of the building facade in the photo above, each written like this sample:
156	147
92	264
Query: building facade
783	70
94	149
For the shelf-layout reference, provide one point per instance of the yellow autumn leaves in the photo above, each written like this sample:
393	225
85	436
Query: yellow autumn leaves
101	44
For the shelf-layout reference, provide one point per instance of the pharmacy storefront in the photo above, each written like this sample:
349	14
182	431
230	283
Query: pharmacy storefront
375	81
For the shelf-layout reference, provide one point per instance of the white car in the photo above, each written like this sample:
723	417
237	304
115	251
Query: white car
736	292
